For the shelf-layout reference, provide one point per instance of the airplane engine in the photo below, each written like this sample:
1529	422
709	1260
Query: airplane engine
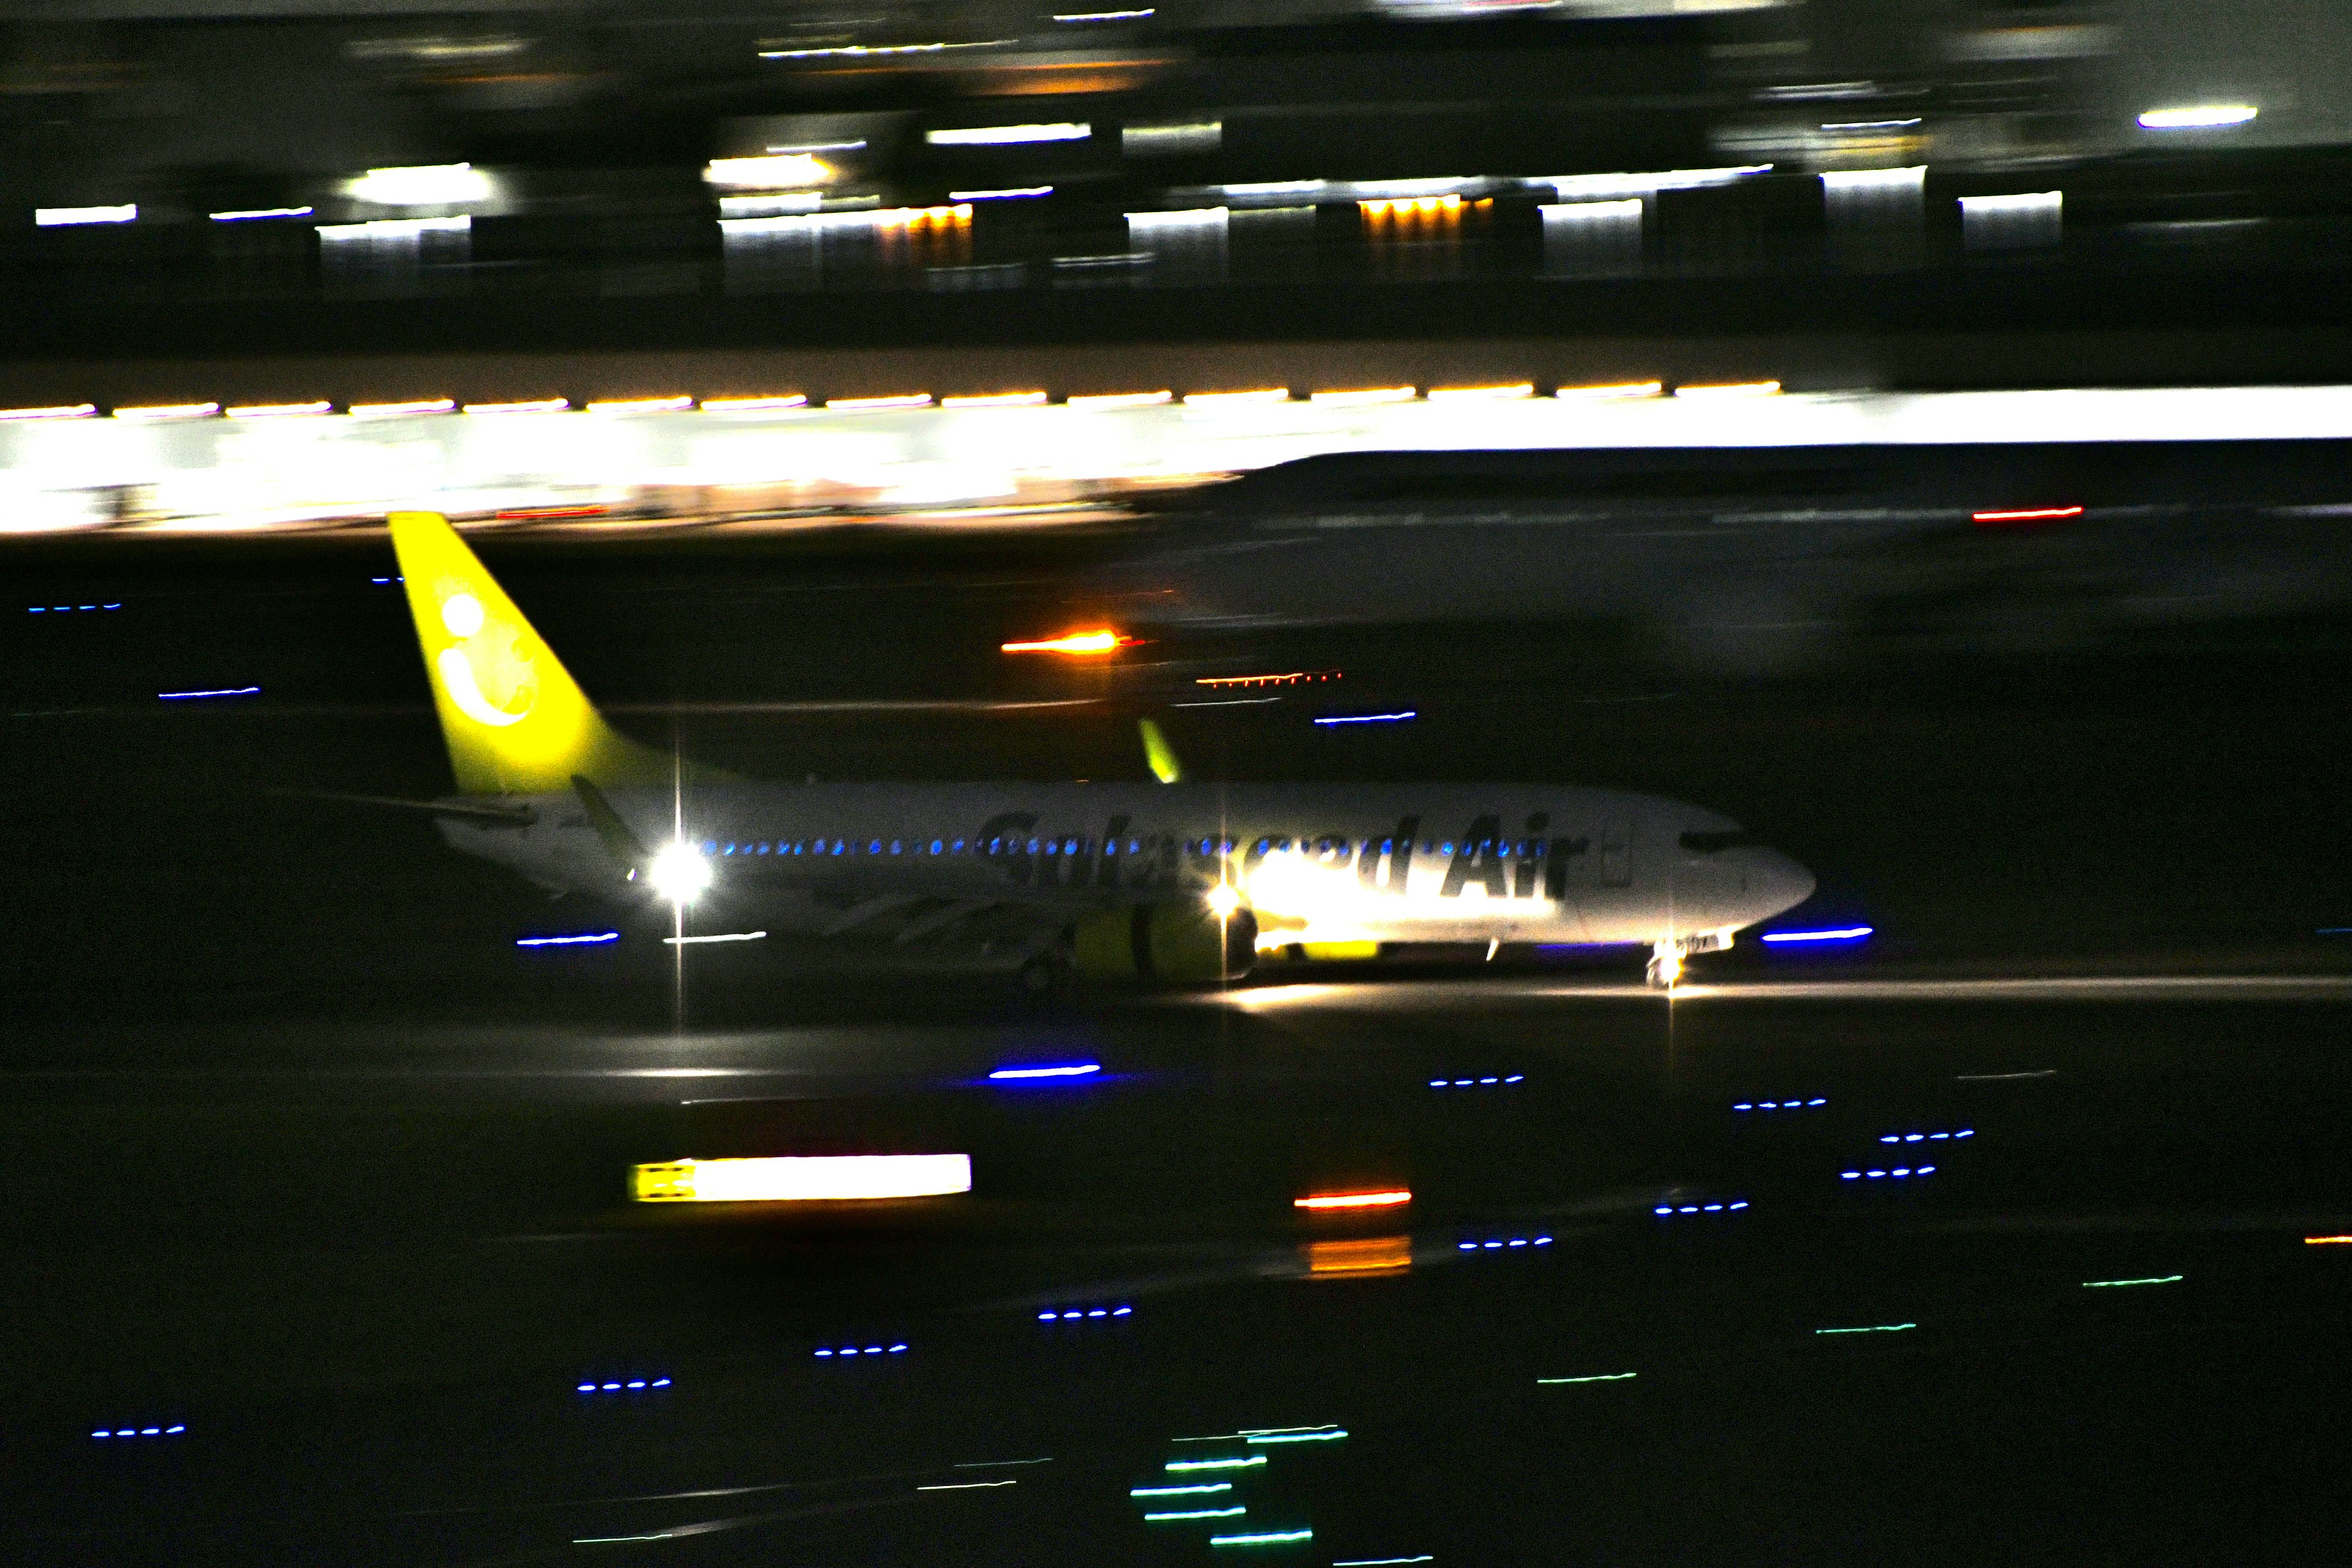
1189	944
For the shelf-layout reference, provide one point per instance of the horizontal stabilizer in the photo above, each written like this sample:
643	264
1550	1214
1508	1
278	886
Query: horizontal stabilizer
505	815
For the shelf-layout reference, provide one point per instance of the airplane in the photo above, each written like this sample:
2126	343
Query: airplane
1173	881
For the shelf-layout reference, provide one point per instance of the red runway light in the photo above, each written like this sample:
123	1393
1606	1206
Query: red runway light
2027	514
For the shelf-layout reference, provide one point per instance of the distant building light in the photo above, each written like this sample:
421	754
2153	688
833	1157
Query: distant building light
248	214
2198	117
421	186
1010	135
67	217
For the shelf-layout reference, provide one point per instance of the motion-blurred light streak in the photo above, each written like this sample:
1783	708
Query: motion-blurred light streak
572	938
1183	1467
1870	1329
1779	1104
2198	117
67	218
2154	1280
1372	1255
1194	1513
1386	1197
220	691
1074	1069
1203	1489
1840	934
1271	1538
1080	643
1293	1435
803	1178
1593	1377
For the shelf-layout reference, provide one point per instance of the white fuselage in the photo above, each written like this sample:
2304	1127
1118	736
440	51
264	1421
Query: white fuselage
1314	863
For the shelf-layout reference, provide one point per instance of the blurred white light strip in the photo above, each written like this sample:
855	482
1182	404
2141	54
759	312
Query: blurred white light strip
715	936
1508	394
872	404
421	186
643	405
1009	135
62	411
770	172
1237	399
855	51
1616	389
280	410
1364	395
754	404
1104	15
774	205
994	400
1013	194
67	217
248	214
1728	389
163	411
803	1179
1601	187
1120	399
531	405
394	410
2198	117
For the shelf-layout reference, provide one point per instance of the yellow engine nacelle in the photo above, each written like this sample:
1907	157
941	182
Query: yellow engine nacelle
1190	944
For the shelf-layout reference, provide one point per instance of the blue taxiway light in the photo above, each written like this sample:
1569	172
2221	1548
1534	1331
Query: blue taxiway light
620	1386
1494	1082
1400	718
1501	1243
572	939
1699	1208
1778	1104
868	1350
1078	1312
1896	1173
222	691
65	609
1840	934
111	1432
1925	1137
1072	1069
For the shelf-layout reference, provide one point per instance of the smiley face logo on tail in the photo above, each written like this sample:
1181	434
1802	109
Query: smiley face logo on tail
487	672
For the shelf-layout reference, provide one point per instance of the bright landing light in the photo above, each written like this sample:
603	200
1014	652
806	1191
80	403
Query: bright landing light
1076	642
1387	1198
802	1179
678	873
1224	900
2198	116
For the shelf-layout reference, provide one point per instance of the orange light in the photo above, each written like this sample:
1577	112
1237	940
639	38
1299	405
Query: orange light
1094	642
1291	678
1374	1255
2326	1240
1388	1198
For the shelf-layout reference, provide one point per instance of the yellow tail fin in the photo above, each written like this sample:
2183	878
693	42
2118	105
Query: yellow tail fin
515	721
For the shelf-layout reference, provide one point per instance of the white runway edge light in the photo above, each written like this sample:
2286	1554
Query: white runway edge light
802	1179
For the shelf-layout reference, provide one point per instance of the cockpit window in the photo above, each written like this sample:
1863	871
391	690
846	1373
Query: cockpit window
1716	843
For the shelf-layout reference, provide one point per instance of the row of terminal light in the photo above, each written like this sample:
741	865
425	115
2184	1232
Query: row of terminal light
166	413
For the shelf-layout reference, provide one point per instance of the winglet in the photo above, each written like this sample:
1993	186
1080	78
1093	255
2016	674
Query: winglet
1160	753
515	720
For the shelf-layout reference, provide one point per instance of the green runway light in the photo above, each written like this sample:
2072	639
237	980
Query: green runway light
2159	1280
1870	1329
1180	1492
1274	1537
1195	1514
1596	1377
1216	1464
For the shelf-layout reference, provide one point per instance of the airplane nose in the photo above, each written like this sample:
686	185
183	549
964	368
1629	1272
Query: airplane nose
1781	884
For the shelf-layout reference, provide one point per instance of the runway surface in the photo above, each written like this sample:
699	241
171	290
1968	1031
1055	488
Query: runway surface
304	1158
